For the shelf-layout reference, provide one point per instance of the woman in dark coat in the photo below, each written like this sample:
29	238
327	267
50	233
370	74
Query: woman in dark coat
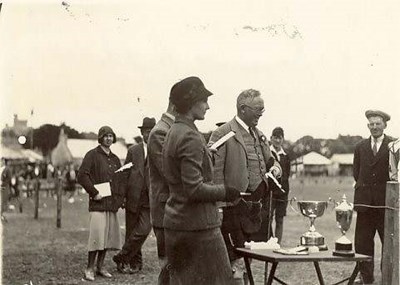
194	244
99	166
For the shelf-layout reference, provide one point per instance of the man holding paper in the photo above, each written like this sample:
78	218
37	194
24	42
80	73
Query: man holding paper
137	212
242	161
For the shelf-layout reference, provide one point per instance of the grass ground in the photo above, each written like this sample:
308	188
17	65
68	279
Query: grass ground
36	252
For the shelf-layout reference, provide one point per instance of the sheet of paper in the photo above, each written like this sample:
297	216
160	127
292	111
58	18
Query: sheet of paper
222	140
104	189
123	167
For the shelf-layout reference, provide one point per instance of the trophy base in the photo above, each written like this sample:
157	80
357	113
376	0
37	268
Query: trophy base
321	247
312	239
343	249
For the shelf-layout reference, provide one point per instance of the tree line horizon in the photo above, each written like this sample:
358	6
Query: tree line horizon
45	138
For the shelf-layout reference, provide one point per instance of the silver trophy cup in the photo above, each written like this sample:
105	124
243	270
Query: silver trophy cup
344	214
312	210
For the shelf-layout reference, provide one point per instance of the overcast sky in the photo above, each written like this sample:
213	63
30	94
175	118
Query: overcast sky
318	64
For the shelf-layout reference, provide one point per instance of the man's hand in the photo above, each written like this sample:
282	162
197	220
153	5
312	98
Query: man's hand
276	172
231	194
97	197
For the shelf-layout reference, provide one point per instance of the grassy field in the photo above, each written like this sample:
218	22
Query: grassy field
36	252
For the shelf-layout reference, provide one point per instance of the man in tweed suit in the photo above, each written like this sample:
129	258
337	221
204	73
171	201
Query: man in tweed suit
242	163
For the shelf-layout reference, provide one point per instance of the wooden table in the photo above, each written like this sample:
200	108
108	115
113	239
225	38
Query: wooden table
268	255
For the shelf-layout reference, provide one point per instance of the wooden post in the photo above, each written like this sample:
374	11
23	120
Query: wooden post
390	256
36	199
59	200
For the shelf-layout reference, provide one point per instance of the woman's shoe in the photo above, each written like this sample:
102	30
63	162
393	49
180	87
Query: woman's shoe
103	273
89	274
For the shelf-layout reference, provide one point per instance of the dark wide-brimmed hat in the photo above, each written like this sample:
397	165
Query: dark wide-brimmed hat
278	132
187	92
148	123
105	130
373	113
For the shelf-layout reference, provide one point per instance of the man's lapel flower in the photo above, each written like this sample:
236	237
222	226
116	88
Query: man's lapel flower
263	139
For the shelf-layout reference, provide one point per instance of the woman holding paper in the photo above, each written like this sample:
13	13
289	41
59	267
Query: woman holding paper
96	176
194	245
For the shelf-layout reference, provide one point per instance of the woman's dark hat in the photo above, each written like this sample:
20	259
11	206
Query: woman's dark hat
373	113
104	130
187	92
148	123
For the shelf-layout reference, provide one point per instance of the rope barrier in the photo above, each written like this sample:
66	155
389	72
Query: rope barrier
358	205
377	207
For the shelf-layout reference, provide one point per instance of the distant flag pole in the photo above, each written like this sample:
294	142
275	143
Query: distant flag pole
31	129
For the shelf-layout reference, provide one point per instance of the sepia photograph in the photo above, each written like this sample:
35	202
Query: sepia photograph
199	142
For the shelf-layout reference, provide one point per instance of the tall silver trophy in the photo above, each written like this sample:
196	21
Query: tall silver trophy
344	214
312	210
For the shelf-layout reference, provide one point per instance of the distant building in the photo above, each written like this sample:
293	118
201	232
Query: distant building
342	164
10	134
79	147
20	126
18	154
311	164
73	150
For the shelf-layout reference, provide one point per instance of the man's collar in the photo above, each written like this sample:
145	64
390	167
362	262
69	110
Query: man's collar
379	139
281	151
169	115
243	124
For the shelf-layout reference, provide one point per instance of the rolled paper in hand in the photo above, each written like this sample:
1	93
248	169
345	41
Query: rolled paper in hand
270	175
222	140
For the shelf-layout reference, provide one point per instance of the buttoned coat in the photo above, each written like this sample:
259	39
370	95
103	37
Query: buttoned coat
137	190
159	191
98	167
231	159
191	205
370	173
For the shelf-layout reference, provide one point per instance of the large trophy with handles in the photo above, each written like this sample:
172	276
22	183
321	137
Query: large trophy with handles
312	210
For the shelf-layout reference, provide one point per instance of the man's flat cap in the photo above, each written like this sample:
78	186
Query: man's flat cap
278	132
373	113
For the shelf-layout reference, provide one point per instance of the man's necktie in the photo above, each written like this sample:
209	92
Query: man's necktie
375	148
252	133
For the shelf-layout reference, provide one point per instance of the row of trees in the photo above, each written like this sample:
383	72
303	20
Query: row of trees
46	137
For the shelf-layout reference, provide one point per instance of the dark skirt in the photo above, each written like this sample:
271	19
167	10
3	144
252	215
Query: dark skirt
197	257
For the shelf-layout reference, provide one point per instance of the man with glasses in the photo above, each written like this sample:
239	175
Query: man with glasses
242	162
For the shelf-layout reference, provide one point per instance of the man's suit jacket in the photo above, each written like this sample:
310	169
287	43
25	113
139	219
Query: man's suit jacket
159	192
231	159
137	190
370	173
